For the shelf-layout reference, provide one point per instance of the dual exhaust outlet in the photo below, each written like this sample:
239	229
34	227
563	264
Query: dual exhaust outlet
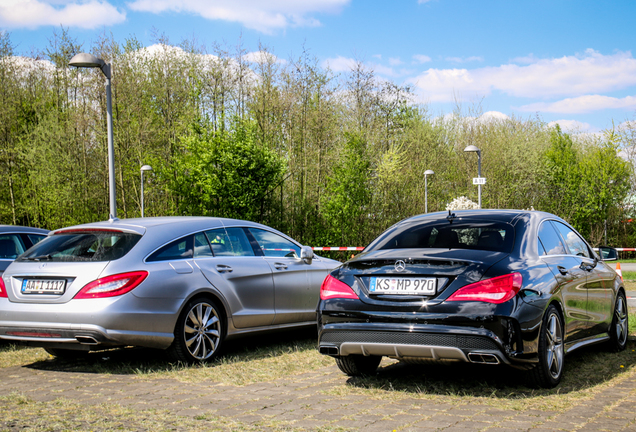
473	357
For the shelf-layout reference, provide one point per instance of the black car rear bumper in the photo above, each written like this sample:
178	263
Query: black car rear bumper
416	343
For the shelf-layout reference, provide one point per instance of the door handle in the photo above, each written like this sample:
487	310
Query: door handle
280	266
563	270
223	268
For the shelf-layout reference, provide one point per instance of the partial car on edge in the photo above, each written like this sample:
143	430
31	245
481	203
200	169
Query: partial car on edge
184	284
520	288
14	240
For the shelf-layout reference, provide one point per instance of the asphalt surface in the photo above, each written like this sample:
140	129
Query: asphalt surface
310	401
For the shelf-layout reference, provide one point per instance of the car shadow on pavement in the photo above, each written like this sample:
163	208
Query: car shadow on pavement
584	368
131	360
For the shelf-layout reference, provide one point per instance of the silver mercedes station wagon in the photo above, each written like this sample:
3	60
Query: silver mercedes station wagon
184	284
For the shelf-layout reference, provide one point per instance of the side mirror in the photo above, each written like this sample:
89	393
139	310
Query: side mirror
608	253
306	254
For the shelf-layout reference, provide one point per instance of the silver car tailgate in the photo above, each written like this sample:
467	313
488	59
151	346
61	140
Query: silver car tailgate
75	275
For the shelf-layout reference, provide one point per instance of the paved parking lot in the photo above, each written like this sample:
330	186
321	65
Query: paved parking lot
307	402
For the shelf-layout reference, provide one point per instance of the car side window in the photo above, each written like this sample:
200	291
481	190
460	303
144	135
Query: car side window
10	246
274	245
35	238
574	243
178	249
201	246
229	242
550	240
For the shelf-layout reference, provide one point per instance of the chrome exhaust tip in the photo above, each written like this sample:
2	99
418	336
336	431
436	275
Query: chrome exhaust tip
482	358
87	340
329	350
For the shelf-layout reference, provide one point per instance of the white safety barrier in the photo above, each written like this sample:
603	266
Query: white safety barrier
329	248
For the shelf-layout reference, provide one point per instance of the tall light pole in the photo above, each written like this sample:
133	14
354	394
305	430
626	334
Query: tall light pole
90	61
143	168
472	148
426	174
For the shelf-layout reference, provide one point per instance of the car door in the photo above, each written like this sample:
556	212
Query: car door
598	285
570	277
294	299
244	279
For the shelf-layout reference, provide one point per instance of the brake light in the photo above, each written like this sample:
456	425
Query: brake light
3	289
111	286
333	288
496	290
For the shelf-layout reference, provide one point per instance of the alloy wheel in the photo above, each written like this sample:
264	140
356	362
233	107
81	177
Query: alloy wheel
554	346
202	331
620	318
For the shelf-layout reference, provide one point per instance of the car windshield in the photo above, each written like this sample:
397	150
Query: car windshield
82	245
477	235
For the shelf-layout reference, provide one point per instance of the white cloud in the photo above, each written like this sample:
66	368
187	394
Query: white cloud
493	116
572	125
72	13
419	58
340	64
582	104
263	16
546	78
263	57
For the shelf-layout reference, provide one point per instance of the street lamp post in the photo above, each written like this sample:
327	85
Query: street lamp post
426	174
90	61
472	148
143	168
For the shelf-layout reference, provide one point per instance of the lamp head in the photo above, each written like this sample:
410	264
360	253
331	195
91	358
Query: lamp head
146	168
90	61
472	148
428	172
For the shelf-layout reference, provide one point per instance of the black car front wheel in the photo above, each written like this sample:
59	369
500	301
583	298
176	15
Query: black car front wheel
620	324
199	332
357	365
548	372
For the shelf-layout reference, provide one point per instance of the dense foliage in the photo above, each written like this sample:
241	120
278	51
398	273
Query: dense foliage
329	159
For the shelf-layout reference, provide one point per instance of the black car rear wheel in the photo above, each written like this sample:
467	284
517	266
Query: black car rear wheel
548	372
199	332
356	365
620	324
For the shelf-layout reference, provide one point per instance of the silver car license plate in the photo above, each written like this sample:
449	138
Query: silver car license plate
403	285
43	286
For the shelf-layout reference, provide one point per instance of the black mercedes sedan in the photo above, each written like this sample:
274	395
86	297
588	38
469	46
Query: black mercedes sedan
520	288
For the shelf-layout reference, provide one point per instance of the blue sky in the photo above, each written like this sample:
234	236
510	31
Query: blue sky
569	61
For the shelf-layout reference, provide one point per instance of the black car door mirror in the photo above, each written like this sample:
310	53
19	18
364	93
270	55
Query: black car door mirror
608	253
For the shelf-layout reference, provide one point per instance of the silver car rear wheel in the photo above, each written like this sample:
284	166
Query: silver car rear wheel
199	332
548	371
620	324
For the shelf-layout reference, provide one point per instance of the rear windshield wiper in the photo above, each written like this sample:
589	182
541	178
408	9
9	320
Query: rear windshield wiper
46	257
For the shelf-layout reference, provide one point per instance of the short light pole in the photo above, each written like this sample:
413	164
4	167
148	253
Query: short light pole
426	174
472	148
143	168
90	61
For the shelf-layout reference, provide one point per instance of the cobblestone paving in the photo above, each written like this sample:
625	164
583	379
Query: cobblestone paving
300	402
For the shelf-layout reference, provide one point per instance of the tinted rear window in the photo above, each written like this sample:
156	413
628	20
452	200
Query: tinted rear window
82	246
477	235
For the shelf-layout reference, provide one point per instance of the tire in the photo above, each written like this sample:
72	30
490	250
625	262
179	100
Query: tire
67	354
357	365
199	332
619	328
548	372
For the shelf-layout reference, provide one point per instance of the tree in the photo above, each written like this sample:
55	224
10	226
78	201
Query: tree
224	173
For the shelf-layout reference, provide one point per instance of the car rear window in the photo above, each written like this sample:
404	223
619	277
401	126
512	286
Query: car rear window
477	235
82	246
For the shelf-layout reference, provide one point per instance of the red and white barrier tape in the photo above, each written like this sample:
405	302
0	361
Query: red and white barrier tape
626	249
329	248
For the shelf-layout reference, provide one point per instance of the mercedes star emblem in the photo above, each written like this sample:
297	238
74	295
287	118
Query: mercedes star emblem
400	266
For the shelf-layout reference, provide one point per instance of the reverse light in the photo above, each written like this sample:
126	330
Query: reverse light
3	289
496	290
333	288
111	286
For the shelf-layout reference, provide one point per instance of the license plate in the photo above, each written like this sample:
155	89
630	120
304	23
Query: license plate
403	285
43	286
